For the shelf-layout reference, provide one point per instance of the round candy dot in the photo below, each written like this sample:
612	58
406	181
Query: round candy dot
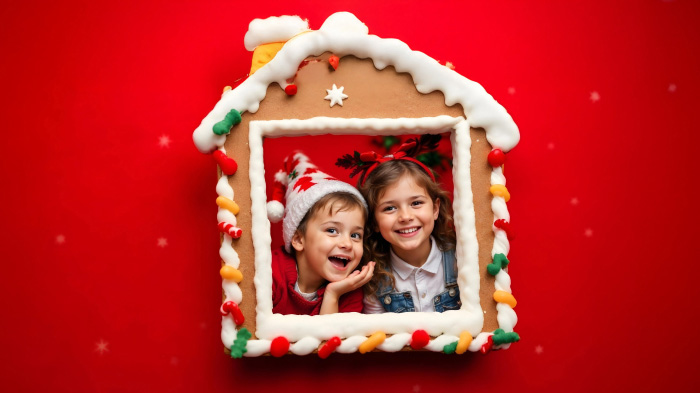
291	89
496	157
279	347
419	339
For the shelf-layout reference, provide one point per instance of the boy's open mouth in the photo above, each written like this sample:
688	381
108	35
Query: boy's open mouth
339	262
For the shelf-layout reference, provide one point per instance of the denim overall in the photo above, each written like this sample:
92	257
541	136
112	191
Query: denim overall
403	301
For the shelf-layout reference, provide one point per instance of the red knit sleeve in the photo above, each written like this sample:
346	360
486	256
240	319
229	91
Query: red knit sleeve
351	301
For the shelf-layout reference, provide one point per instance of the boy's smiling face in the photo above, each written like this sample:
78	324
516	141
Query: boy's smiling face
331	247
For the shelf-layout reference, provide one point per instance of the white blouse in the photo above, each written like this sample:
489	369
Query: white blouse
424	283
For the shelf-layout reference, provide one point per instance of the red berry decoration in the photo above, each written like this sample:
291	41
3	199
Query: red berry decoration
291	89
279	347
419	339
496	157
228	165
334	61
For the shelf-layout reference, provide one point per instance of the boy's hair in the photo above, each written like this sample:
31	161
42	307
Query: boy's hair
377	249
336	202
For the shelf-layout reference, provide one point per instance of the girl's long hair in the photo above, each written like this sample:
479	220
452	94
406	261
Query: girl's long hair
376	248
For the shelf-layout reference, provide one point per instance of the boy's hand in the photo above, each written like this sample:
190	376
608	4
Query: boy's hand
355	280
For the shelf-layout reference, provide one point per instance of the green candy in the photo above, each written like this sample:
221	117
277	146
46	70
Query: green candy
450	348
501	337
224	126
239	344
499	262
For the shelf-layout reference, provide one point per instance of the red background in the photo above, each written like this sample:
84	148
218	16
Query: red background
602	184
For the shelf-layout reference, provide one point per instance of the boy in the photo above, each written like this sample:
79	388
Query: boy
323	229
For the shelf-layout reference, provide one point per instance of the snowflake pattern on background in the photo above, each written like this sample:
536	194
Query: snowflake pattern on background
60	239
539	350
574	201
164	141
595	96
588	232
162	242
101	347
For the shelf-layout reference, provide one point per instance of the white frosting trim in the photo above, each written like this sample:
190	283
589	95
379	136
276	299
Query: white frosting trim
428	76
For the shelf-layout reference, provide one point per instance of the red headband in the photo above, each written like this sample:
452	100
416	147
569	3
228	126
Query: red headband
369	161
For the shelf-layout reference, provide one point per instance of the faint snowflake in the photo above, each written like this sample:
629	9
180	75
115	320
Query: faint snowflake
203	325
511	90
595	97
672	88
174	361
588	232
60	239
550	146
539	350
101	347
416	388
574	201
164	141
162	242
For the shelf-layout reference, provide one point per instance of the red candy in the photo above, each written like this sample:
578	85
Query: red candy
496	157
279	347
291	89
505	226
232	307
419	339
328	348
487	346
227	164
334	61
234	232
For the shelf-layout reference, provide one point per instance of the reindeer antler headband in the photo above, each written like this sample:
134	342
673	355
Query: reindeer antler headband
368	161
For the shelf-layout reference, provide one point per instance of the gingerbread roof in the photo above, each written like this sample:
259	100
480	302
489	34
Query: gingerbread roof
343	34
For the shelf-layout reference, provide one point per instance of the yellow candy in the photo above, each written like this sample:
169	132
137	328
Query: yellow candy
463	344
263	54
501	191
231	273
372	342
227	204
505	297
226	88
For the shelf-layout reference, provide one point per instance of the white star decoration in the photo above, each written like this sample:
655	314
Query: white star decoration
101	347
336	95
162	242
595	97
60	239
164	141
539	350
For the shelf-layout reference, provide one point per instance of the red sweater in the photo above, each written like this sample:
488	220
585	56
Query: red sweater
285	300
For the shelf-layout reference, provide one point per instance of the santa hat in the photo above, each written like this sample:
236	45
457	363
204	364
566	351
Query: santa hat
301	184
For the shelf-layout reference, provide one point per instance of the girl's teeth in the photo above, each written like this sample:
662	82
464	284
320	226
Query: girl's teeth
408	230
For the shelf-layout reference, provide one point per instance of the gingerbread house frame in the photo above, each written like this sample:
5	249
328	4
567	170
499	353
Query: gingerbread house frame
481	130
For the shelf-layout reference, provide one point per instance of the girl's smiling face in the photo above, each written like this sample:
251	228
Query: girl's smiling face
405	217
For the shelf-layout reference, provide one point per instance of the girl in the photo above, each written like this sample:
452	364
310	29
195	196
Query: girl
410	234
